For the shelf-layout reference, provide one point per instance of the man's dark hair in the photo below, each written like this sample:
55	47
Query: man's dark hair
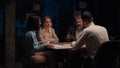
78	17
86	16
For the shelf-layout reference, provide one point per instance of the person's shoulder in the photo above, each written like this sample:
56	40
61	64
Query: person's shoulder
87	30
29	33
100	27
52	29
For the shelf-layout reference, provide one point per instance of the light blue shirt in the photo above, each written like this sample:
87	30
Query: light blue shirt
31	42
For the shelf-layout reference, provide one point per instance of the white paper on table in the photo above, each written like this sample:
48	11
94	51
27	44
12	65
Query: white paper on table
62	46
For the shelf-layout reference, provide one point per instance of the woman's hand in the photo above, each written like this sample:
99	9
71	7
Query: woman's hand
50	45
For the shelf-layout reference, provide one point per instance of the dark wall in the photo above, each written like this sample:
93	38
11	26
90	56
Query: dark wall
66	19
60	11
109	15
2	47
106	13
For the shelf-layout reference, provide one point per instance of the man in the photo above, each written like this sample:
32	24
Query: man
92	36
75	33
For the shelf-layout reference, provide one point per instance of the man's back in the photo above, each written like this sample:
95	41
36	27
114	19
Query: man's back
99	32
92	36
96	35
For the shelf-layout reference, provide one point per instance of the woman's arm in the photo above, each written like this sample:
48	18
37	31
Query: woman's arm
54	38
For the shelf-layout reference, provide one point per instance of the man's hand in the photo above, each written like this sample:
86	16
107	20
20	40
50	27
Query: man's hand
73	43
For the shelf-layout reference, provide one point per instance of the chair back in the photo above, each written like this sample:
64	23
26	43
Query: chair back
108	55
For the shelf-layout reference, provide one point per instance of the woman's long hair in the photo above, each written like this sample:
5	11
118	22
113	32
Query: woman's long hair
33	23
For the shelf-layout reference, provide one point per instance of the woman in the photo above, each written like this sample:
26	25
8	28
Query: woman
47	33
33	49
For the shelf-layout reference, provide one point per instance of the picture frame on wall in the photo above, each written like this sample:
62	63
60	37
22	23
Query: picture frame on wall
83	5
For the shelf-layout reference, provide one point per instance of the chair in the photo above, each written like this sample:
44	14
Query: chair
79	59
108	55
